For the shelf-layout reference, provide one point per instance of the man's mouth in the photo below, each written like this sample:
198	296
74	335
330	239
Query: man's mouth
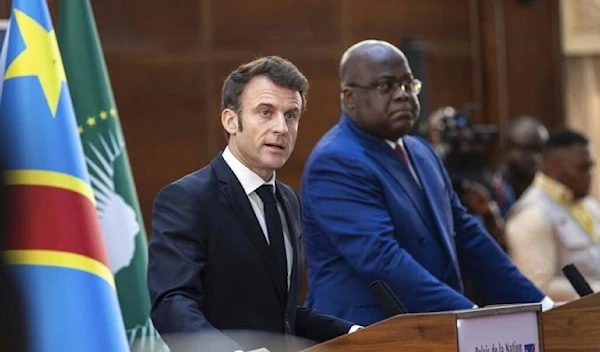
403	114
275	146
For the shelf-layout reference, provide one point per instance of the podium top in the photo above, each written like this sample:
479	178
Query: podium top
437	331
498	310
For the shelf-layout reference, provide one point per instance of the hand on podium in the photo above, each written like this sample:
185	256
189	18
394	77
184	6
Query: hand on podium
558	304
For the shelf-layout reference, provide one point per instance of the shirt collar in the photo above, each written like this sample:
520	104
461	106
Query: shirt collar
249	179
399	142
555	189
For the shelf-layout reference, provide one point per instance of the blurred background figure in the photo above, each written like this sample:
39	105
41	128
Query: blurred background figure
470	155
525	140
436	127
556	222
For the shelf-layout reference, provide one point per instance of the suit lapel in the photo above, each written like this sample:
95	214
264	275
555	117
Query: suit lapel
386	157
381	152
426	170
233	191
433	187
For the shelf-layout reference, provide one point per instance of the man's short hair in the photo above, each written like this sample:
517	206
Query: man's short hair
565	138
280	71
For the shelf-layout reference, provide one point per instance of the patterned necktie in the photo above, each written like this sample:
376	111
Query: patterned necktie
401	154
275	231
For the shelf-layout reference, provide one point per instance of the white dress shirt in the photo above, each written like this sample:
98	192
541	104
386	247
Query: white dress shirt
250	183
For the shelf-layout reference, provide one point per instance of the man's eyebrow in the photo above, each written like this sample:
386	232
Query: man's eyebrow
265	105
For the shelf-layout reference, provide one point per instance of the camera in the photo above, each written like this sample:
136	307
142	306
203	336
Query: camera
471	148
457	130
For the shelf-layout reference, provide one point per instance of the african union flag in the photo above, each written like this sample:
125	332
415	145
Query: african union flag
57	253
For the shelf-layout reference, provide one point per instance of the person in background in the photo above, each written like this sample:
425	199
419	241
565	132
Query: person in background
525	141
226	253
379	205
556	222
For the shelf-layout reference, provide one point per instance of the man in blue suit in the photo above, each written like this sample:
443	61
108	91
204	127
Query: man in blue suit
378	205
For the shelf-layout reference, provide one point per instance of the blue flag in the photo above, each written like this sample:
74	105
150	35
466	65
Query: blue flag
56	250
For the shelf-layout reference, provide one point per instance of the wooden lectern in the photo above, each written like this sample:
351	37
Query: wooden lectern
422	332
573	327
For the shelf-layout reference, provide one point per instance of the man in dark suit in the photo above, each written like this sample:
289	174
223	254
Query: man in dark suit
379	205
226	251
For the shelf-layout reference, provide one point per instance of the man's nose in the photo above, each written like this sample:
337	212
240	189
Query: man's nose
398	92
280	124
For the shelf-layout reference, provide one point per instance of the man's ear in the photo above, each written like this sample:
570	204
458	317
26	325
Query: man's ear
229	121
347	98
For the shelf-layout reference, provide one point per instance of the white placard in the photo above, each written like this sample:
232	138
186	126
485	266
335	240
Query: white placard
511	332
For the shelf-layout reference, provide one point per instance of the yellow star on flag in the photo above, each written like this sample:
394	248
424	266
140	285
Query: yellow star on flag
79	129
40	58
103	115
113	112
91	121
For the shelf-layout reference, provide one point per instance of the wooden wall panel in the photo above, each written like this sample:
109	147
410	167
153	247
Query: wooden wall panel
395	20
534	62
4	9
450	81
150	26
269	27
521	62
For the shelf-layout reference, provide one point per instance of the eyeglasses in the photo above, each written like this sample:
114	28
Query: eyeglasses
412	87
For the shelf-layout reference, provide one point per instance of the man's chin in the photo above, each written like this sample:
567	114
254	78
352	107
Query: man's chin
275	163
400	131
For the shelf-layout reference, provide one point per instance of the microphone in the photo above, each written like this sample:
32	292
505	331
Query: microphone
387	299
577	280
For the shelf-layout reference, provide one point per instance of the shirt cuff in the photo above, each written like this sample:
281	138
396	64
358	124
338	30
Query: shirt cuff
547	303
354	328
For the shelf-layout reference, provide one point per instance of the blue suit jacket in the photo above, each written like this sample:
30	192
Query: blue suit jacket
365	218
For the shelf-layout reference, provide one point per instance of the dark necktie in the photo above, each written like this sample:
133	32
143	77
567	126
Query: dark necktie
275	230
401	153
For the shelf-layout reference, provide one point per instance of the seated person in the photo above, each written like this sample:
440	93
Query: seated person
556	222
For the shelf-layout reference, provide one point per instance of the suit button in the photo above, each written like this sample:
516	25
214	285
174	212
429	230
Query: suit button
288	326
421	240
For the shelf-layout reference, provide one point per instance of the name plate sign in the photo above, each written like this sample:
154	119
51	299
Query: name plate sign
510	329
